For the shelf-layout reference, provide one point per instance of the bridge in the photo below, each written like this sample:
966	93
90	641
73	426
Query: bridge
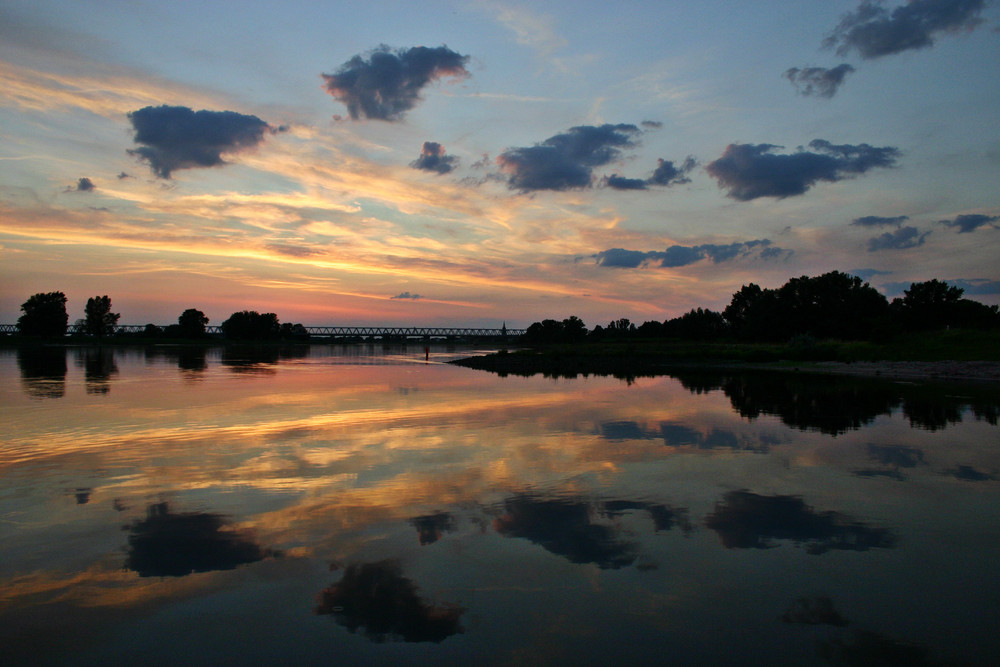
335	333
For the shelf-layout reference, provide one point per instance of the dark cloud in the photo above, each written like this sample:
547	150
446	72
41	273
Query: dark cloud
123	175
292	250
971	287
879	221
564	527
874	31
746	520
431	527
818	81
433	158
969	222
652	124
901	239
749	171
868	274
677	255
407	295
181	138
621	183
379	599
665	174
174	544
566	161
387	84
84	185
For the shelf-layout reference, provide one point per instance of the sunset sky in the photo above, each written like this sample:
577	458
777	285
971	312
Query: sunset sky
475	162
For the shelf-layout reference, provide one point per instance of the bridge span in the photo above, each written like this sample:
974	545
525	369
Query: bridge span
339	333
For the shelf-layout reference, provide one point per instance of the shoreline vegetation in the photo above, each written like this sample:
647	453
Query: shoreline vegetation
960	355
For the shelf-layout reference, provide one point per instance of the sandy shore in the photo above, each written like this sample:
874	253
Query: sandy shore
916	370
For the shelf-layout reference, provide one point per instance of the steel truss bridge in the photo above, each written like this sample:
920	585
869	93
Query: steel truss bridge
351	333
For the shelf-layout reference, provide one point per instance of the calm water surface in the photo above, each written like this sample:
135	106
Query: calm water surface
336	505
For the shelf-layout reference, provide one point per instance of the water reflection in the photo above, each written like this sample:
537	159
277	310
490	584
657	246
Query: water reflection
175	544
99	367
378	599
746	520
816	610
43	371
867	648
892	459
431	527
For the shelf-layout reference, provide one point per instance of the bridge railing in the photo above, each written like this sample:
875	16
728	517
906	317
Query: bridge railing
330	332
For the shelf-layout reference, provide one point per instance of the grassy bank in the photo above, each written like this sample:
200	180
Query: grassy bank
636	358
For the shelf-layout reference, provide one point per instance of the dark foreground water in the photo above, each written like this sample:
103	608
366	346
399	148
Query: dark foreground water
360	506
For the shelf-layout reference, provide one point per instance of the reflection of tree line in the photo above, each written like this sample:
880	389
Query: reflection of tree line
835	405
43	369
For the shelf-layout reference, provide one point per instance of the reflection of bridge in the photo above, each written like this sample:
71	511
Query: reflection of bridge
357	333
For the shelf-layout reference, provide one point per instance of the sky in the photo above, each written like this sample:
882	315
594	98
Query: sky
471	163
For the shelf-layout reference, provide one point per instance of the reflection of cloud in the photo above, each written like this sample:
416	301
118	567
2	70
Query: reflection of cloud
431	527
970	474
745	520
170	544
378	598
664	517
679	435
870	648
564	527
814	611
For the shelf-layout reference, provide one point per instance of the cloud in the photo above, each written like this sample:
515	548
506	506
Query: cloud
387	84
879	221
565	161
969	222
175	544
82	185
407	295
676	256
433	158
665	174
377	599
181	138
874	31
818	81
901	239
746	520
749	171
972	287
652	124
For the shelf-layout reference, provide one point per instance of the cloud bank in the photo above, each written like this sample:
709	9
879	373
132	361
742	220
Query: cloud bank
565	161
818	81
874	31
433	158
387	84
749	171
176	137
677	255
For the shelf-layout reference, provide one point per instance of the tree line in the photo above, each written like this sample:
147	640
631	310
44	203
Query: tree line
834	305
44	315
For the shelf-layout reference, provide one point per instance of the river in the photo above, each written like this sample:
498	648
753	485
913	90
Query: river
376	505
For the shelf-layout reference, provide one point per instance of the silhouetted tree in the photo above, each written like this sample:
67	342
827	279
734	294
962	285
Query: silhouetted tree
933	304
44	314
192	323
251	325
100	321
294	332
572	329
698	324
